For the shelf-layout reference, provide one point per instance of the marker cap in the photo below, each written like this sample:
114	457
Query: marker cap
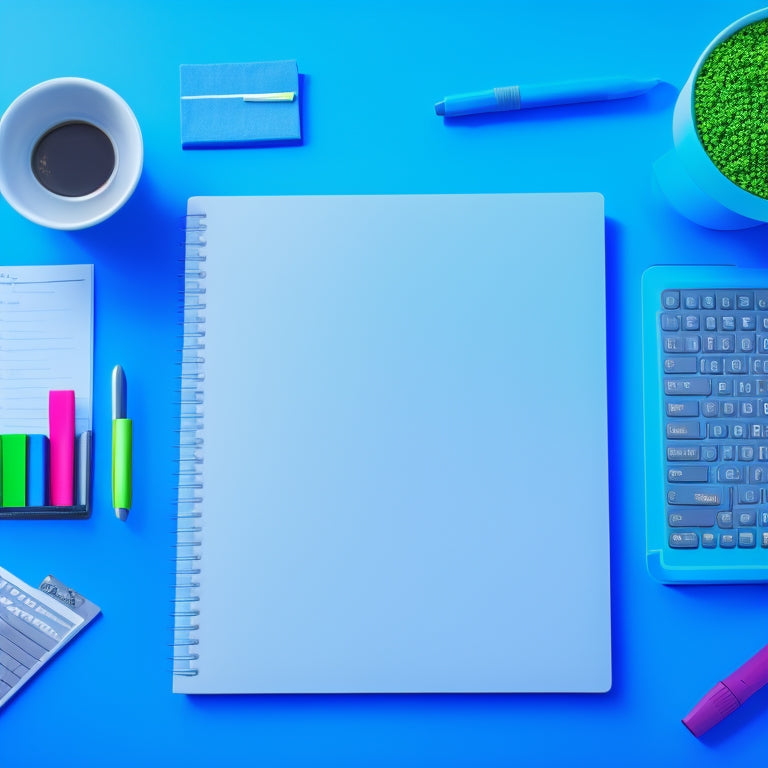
714	707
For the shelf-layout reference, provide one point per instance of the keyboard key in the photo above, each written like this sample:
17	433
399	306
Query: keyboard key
698	496
712	365
684	540
725	519
686	408
718	431
681	365
747	409
725	300
708	540
757	475
684	430
745	517
689	300
688	387
683	453
697	474
745	342
725	342
746	539
670	322
764	539
739	431
692	518
730	474
746	453
724	388
727	541
747	495
673	344
670	299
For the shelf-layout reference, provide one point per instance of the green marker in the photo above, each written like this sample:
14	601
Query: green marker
122	440
14	461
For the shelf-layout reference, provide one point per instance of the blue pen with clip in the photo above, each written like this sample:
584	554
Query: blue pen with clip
514	97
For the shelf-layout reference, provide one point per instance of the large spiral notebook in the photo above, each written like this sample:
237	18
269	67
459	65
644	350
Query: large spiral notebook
394	463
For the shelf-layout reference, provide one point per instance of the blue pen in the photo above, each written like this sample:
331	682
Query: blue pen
514	97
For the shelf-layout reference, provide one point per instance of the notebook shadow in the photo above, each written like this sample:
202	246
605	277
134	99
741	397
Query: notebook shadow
136	233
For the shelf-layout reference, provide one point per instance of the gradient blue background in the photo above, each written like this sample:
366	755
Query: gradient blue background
372	71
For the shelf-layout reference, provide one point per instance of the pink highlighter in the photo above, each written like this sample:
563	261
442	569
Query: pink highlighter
61	422
729	694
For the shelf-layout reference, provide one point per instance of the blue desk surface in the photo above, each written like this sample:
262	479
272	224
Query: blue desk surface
372	72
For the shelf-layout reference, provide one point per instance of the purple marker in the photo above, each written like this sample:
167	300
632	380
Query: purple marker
729	694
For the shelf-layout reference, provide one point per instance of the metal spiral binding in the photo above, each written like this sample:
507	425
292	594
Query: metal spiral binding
189	523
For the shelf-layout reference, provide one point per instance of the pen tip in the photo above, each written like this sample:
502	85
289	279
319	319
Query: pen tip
121	514
440	108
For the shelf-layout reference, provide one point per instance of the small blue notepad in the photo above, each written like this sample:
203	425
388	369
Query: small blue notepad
215	110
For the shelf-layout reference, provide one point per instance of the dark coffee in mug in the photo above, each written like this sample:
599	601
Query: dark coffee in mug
73	159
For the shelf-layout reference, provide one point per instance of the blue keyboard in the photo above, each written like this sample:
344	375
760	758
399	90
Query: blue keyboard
706	397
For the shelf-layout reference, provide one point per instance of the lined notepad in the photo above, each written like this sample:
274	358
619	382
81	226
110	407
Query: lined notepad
46	338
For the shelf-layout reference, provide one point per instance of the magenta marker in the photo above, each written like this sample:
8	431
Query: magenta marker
729	694
61	424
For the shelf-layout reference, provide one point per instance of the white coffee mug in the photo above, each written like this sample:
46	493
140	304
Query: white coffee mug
37	114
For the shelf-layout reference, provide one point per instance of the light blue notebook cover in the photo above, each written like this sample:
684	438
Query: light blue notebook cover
394	463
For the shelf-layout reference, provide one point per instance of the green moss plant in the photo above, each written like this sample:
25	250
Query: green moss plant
731	107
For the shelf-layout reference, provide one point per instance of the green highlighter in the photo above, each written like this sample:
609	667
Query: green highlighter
122	445
14	470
